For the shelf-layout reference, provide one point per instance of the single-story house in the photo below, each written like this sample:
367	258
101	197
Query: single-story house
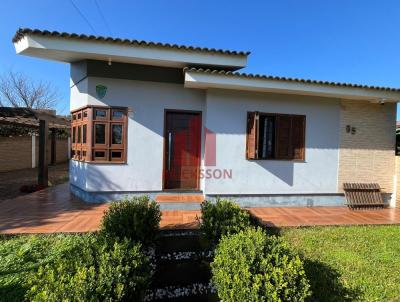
154	118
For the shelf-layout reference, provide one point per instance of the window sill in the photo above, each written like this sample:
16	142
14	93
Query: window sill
277	159
103	162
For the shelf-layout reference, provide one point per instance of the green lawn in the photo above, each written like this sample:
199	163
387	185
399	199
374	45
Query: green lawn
343	263
21	255
350	263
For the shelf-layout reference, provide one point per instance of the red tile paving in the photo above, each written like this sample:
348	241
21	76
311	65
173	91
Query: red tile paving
285	217
56	210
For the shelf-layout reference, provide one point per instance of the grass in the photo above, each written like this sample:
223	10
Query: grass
343	263
20	256
360	263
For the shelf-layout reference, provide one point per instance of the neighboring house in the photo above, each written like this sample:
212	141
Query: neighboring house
19	138
151	117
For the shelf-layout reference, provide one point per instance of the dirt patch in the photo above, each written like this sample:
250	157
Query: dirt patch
11	182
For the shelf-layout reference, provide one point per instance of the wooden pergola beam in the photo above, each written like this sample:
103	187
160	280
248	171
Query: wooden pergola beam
53	160
43	173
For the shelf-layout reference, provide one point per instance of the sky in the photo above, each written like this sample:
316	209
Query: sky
342	40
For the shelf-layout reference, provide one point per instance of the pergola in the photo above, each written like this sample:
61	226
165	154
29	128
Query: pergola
40	119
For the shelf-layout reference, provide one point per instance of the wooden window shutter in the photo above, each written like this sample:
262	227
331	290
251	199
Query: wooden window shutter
251	137
283	137
298	136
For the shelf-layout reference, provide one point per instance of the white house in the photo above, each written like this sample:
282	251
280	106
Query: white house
151	118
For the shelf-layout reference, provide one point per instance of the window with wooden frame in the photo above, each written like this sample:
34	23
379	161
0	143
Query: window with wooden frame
275	136
99	134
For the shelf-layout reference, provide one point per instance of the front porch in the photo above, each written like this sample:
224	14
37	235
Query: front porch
57	210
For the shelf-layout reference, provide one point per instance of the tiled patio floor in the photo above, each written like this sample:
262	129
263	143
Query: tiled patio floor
284	217
56	210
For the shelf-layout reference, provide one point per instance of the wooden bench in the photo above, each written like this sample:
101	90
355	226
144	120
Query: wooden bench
363	195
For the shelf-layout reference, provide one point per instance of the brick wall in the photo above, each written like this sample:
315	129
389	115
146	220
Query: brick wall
398	181
369	154
16	152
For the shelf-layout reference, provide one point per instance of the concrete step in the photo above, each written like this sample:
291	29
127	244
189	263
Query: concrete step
178	198
192	242
183	270
181	273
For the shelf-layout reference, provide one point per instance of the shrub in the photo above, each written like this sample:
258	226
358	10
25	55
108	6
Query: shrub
136	219
221	218
252	266
94	271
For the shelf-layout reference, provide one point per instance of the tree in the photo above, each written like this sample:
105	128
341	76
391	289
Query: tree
17	90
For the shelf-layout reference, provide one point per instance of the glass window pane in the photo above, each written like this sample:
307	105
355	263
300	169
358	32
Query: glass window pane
79	116
79	134
84	113
100	130
99	154
116	114
116	131
84	134
116	154
267	137
100	113
73	134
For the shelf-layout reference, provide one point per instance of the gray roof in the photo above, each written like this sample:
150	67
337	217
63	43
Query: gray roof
270	77
30	117
25	31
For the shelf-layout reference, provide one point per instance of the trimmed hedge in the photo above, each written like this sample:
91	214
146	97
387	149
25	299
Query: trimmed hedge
93	271
221	218
137	219
252	266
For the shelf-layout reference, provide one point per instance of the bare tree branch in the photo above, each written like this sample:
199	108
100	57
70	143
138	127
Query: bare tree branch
17	90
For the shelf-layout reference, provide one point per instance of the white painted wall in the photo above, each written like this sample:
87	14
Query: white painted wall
79	86
226	116
224	112
143	171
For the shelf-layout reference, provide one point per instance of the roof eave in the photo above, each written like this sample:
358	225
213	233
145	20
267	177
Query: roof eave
70	50
206	80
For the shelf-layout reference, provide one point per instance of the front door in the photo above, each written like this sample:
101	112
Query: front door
182	150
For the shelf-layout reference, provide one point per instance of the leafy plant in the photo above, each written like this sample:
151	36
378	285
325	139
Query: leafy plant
93	271
20	257
252	266
221	218
136	219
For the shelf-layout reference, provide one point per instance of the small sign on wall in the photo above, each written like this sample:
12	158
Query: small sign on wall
101	91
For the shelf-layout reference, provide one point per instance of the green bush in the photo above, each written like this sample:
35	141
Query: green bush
94	271
221	218
137	219
252	266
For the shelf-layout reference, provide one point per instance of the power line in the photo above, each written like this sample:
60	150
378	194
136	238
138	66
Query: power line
83	16
103	17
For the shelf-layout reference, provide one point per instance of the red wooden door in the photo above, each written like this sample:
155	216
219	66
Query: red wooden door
182	150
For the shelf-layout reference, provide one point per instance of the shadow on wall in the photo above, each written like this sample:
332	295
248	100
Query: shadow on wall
100	179
284	170
86	176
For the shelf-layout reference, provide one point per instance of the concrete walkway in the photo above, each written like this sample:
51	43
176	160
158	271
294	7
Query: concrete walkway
56	210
